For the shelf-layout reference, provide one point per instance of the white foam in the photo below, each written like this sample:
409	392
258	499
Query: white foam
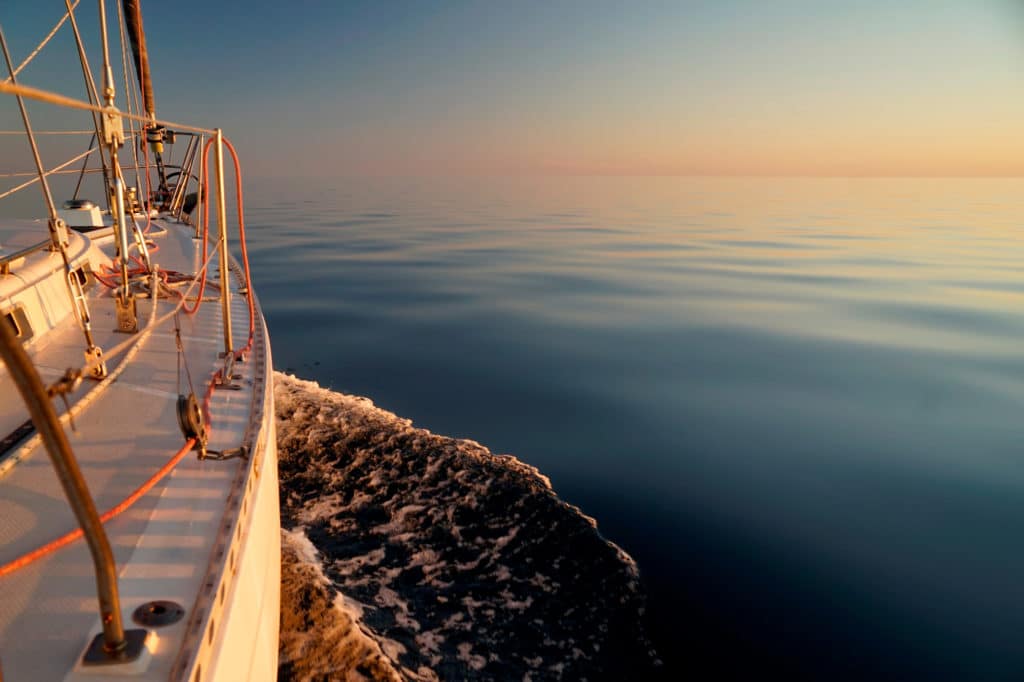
411	525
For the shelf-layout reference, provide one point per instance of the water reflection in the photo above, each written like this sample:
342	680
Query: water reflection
796	402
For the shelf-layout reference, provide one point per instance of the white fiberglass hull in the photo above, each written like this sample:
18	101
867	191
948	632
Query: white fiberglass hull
205	537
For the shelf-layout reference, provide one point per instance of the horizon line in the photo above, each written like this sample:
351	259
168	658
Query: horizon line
760	176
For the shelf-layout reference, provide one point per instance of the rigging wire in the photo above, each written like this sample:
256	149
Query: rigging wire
85	164
49	132
41	95
94	98
241	234
48	198
129	347
32	55
128	94
133	344
189	445
63	166
55	170
132	341
58	231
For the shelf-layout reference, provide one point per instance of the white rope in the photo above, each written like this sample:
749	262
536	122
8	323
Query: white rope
153	322
130	346
90	397
34	52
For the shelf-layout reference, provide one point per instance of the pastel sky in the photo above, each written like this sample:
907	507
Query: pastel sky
790	87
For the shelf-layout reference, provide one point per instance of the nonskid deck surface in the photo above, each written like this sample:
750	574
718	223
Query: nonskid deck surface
163	544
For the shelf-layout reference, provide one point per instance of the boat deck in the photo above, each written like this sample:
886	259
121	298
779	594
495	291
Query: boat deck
183	540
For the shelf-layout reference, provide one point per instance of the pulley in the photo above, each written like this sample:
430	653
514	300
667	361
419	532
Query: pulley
190	420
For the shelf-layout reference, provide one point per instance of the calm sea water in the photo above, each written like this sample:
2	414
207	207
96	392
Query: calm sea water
797	403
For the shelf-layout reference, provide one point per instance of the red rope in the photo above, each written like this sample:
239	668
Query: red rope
245	253
68	538
203	194
241	239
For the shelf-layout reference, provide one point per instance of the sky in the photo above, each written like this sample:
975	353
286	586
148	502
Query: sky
729	87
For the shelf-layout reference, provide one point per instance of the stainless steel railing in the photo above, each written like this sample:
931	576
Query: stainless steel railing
7	259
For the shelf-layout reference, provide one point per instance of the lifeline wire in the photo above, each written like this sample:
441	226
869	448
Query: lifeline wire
41	45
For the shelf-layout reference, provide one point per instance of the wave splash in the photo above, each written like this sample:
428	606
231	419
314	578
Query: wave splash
408	555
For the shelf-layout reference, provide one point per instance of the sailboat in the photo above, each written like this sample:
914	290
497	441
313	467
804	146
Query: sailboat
139	522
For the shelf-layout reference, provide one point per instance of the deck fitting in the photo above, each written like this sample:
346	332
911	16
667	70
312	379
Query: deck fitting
158	613
135	642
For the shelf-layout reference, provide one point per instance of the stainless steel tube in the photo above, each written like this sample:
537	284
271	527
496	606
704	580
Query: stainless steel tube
122	226
222	221
46	422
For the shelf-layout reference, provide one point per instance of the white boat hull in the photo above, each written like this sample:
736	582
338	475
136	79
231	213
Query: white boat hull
205	537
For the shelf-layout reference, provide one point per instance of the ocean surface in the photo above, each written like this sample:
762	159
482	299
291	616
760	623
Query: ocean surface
796	403
411	556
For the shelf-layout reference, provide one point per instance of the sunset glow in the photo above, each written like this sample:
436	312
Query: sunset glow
692	88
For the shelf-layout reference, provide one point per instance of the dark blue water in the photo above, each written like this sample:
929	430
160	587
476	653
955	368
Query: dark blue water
795	402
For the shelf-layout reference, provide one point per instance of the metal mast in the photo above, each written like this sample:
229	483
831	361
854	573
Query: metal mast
154	132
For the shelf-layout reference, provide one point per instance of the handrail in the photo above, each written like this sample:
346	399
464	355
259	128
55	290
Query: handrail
222	223
6	260
184	173
114	644
29	384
